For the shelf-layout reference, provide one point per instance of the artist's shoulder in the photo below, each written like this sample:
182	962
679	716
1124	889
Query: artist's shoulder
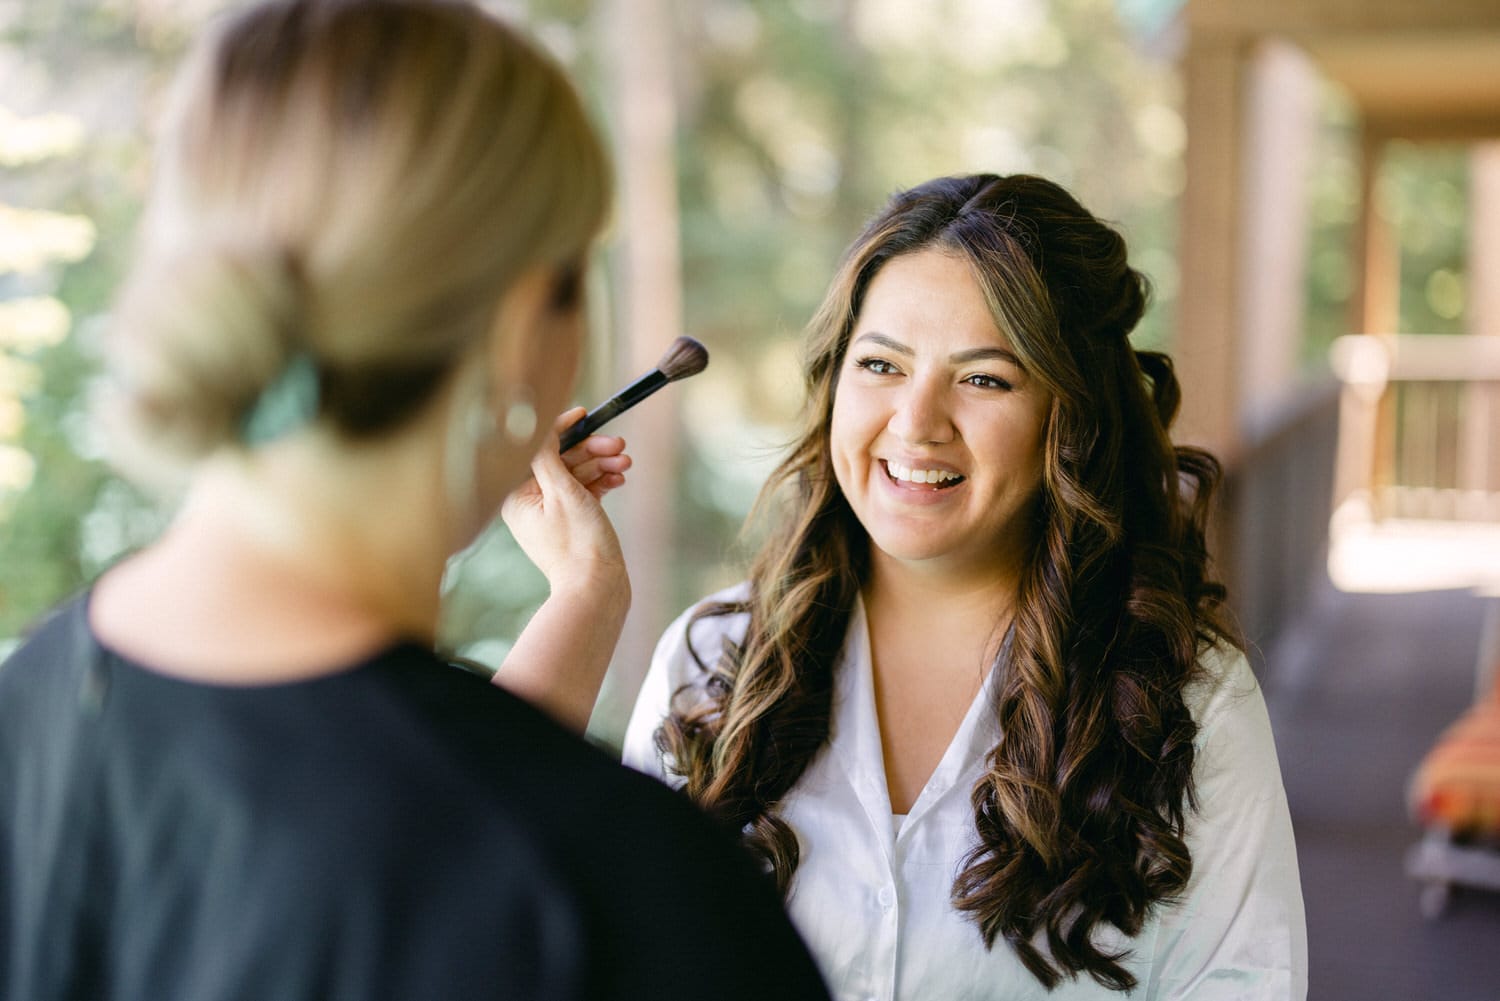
51	653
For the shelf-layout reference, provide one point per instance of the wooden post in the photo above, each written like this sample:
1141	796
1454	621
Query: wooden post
1377	303
1205	349
646	270
1208	302
1280	133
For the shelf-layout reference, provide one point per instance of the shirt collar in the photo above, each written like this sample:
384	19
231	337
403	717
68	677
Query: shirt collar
856	734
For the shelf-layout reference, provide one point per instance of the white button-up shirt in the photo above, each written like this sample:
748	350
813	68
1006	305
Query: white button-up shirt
872	893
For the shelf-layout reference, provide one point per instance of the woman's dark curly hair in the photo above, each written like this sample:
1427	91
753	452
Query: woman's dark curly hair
1080	814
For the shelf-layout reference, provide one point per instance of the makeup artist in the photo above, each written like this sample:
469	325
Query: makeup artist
234	767
979	707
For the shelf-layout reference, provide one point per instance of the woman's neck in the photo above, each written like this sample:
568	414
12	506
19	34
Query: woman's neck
290	563
970	604
933	639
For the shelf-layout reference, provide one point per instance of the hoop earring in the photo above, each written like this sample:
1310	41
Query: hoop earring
520	417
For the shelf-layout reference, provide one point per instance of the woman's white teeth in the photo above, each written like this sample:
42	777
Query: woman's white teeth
900	472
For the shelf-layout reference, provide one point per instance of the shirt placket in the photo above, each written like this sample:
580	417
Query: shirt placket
861	756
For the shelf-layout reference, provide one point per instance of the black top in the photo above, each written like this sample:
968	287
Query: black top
401	830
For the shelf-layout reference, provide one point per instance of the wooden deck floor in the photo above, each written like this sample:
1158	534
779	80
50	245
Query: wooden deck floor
1358	691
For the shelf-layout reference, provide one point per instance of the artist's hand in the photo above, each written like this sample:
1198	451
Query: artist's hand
559	660
556	516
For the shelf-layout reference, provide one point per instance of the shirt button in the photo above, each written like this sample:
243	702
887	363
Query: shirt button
887	896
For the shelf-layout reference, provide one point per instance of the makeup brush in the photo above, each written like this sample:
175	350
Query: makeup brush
685	357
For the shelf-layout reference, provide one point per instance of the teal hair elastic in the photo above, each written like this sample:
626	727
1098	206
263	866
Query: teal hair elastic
288	404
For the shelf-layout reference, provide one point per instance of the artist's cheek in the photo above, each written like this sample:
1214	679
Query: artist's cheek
572	333
562	349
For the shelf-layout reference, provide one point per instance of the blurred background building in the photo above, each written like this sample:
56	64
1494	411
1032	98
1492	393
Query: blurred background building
1313	187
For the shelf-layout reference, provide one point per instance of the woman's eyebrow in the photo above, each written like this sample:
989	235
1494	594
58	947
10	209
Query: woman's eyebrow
889	343
964	357
985	354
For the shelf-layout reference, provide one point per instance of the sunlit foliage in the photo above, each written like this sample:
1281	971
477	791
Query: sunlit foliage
796	119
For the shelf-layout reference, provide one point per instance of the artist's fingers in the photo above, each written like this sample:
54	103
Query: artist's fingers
597	446
601	485
597	464
600	477
593	467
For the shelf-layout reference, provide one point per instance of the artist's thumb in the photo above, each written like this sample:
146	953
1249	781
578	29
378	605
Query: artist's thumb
552	474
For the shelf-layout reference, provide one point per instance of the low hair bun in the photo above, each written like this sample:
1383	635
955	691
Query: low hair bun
334	210
197	336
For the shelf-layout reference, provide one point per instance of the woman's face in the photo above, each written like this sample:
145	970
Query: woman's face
937	430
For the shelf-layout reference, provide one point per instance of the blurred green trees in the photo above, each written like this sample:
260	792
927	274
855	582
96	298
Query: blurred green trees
77	80
799	119
796	119
1424	190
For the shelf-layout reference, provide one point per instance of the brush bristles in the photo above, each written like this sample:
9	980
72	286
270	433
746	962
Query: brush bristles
685	357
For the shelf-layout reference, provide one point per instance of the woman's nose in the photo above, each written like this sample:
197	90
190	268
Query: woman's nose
922	415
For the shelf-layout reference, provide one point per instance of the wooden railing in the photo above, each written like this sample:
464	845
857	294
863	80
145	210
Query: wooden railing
1385	478
1417	496
1419	426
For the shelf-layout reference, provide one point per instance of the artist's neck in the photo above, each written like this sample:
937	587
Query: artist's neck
294	562
351	522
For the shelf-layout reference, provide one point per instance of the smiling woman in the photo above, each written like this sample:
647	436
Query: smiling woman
978	707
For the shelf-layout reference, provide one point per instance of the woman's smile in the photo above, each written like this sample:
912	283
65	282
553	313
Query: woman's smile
917	476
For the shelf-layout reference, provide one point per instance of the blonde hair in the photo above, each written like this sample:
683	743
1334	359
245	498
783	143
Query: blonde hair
355	183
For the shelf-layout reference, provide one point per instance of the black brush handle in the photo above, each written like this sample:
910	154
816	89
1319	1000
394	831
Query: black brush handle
613	407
